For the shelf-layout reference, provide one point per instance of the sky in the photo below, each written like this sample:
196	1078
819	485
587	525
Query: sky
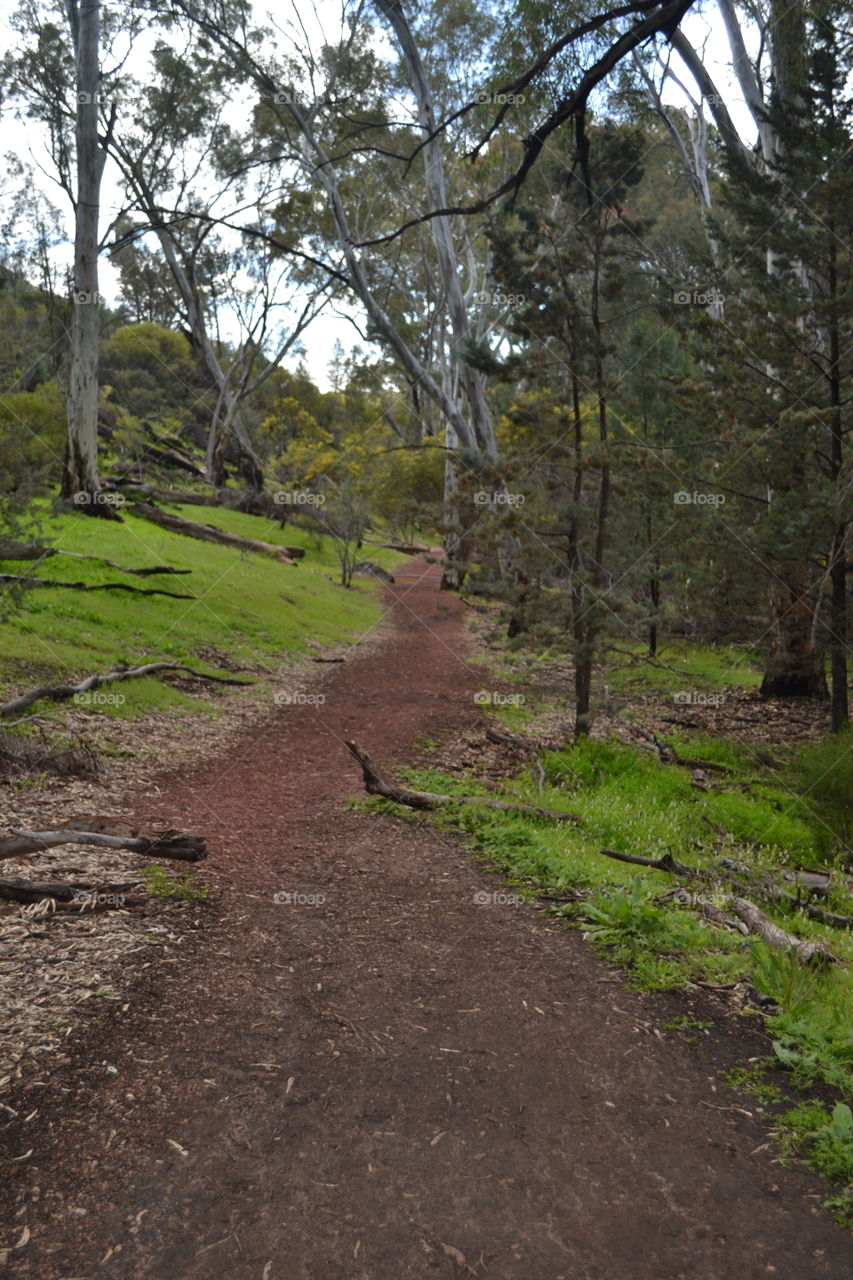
704	29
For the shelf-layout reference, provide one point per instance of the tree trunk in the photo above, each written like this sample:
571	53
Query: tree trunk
80	480
838	554
471	380
794	668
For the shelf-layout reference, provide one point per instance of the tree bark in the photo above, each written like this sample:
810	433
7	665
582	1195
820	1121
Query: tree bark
80	481
793	668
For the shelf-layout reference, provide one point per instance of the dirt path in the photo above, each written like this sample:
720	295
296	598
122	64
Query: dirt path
398	1081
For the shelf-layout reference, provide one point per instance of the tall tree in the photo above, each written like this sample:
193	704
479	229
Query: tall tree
80	480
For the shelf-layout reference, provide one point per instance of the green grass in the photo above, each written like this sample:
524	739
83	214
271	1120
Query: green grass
247	607
707	669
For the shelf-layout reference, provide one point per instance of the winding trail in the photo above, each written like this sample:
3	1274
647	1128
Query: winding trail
398	1081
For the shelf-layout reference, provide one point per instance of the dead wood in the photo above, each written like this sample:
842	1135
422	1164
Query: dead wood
405	548
28	551
165	495
830	917
19	754
667	754
666	863
774	936
176	845
503	738
716	916
31	583
82	893
62	692
208	533
369	569
377	784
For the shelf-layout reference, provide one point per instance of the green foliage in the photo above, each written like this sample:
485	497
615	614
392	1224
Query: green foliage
825	1139
162	883
626	921
750	1079
782	976
823	773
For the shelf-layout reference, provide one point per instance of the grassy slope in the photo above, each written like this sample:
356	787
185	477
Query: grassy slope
247	606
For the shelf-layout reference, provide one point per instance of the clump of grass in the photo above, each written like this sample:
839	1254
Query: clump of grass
162	883
825	1139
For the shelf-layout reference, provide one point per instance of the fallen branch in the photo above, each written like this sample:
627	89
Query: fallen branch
208	533
667	754
176	845
81	893
377	784
666	863
775	936
23	580
830	917
63	692
31	551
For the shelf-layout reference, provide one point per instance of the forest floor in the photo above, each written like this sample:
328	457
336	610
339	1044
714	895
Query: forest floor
383	1076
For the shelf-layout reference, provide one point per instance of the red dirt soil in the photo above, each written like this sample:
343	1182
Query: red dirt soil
396	1081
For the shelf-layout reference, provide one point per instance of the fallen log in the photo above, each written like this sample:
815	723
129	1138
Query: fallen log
163	495
774	936
176	845
405	548
830	917
24	580
377	784
209	533
63	692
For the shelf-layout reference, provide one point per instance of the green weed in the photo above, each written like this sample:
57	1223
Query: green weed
161	883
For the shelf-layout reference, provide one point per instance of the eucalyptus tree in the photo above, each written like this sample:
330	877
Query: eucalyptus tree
65	74
185	178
